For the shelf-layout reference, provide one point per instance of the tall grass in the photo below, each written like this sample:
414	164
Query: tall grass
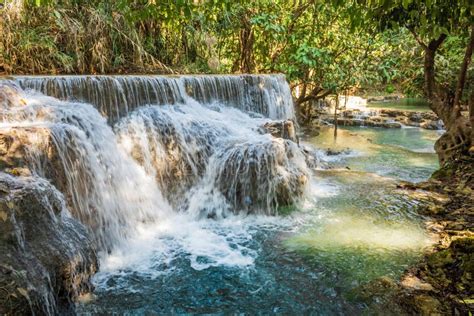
74	37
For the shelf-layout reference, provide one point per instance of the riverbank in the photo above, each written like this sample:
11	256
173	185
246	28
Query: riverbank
442	282
449	268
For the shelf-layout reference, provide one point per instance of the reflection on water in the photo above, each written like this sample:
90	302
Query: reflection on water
362	232
405	104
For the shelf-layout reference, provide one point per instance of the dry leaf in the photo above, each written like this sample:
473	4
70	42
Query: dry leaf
23	292
3	216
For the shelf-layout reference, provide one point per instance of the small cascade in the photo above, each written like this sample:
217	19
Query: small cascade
214	160
116	96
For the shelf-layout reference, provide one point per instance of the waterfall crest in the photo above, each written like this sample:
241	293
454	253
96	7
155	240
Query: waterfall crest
116	96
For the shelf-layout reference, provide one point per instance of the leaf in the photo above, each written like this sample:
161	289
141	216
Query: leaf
406	3
3	216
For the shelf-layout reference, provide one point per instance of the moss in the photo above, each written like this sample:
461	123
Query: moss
443	173
440	259
285	210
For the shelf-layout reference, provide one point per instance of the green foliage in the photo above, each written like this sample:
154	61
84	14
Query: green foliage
323	47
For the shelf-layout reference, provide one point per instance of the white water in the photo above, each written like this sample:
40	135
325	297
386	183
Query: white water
116	96
213	160
167	188
143	188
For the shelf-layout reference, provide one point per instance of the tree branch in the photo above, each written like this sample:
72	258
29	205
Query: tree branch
429	65
434	44
463	71
417	37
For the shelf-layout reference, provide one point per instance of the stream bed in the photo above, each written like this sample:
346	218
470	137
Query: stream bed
354	227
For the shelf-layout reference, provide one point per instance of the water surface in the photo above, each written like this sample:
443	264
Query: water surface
405	104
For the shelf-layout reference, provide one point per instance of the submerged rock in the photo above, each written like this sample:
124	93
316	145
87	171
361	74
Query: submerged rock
47	257
369	122
336	152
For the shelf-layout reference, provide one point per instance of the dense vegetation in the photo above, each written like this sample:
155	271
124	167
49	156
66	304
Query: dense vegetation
324	47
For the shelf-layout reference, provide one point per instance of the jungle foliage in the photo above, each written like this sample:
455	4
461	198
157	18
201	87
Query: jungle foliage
323	47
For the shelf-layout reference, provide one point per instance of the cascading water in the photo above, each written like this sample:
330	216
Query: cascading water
108	191
209	158
211	161
116	96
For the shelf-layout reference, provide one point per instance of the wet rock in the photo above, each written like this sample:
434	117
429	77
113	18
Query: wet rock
282	129
413	283
312	157
46	256
395	113
335	152
261	177
426	305
386	118
27	150
17	144
391	125
369	122
432	125
10	95
406	185
415	117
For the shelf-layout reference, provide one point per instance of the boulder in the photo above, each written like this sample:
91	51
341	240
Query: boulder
415	117
433	125
261	177
46	257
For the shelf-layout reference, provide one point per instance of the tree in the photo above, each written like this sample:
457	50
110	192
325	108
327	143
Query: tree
311	42
431	23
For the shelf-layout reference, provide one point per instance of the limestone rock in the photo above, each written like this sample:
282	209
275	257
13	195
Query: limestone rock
386	118
282	129
262	176
10	95
46	256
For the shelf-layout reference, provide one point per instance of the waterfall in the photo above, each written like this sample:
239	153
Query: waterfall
116	96
134	149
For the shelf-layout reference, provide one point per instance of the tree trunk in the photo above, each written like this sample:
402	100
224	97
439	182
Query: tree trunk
336	106
457	139
246	40
471	118
463	71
